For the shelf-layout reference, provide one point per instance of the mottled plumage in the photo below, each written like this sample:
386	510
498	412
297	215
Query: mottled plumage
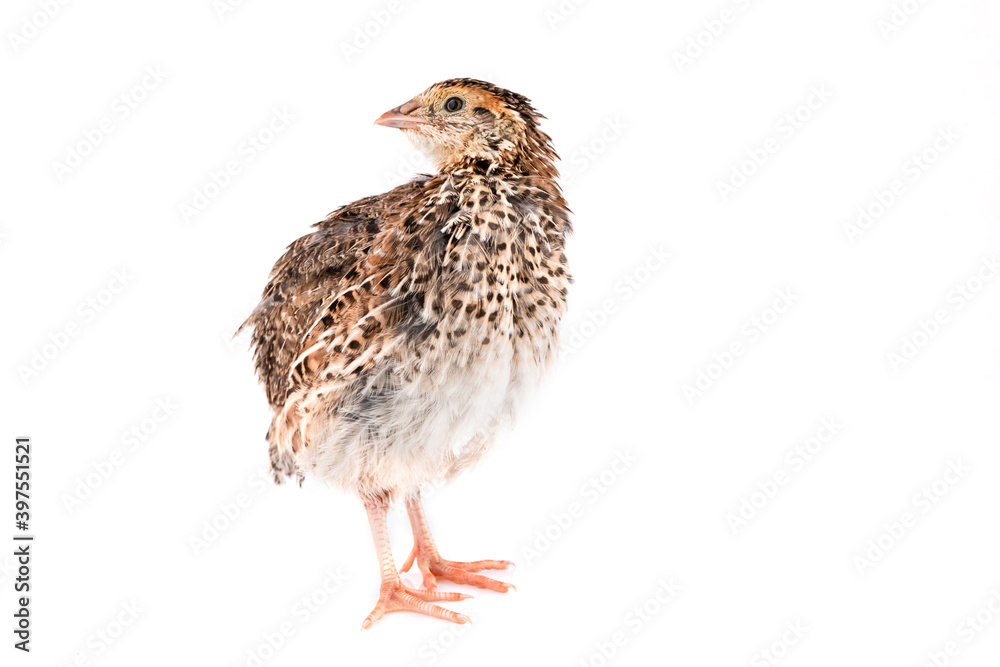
398	338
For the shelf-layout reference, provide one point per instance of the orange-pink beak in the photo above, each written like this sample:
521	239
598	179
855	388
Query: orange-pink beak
401	117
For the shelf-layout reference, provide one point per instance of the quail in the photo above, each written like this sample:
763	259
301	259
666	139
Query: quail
397	340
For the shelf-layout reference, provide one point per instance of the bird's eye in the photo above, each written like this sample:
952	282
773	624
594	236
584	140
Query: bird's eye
453	104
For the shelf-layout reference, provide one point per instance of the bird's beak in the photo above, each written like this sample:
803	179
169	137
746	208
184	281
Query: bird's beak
401	117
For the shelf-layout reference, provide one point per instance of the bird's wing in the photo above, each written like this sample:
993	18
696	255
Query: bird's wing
359	323
315	268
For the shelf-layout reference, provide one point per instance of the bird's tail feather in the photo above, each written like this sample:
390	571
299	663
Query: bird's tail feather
284	439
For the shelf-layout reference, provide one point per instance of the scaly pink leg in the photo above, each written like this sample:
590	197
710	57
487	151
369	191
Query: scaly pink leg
393	595
432	566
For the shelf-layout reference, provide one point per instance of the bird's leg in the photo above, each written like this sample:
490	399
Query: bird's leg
393	595
433	567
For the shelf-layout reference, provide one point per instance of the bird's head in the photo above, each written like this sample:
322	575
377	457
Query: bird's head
461	121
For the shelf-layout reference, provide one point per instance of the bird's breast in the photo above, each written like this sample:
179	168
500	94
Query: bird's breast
502	283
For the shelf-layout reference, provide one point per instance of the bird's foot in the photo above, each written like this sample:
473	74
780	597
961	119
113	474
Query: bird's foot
433	567
394	596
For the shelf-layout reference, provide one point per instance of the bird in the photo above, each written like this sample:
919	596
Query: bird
398	339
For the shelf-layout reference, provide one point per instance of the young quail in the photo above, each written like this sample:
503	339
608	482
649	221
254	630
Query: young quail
397	339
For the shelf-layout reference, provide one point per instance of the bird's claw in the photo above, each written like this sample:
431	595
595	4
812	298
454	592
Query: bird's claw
433	567
394	596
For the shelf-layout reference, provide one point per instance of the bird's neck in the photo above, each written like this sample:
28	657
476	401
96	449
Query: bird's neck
513	164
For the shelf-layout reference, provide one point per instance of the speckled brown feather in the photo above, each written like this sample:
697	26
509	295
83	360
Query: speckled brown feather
465	269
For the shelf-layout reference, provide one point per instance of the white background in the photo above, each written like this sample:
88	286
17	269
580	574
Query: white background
646	140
